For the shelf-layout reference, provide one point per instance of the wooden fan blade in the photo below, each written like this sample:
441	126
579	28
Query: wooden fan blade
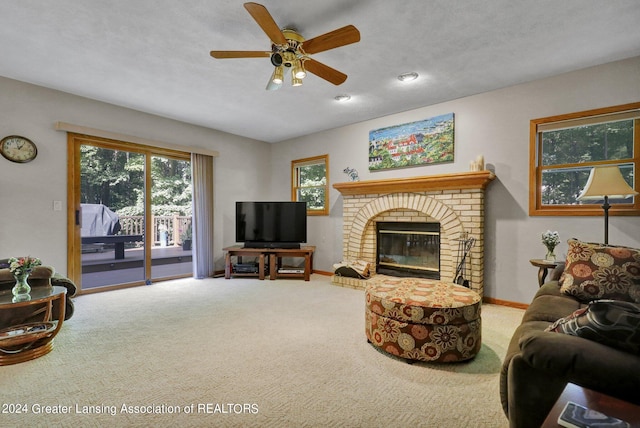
333	39
239	54
266	22
325	72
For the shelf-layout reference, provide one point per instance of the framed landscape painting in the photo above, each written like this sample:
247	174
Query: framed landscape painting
424	142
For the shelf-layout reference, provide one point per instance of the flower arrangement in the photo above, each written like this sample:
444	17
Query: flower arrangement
23	266
550	240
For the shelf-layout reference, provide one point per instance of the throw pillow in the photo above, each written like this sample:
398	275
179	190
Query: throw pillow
611	322
597	271
352	269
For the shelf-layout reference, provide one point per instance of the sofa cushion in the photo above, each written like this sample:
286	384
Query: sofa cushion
610	322
584	362
549	304
550	308
596	271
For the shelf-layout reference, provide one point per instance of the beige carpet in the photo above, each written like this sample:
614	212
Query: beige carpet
246	353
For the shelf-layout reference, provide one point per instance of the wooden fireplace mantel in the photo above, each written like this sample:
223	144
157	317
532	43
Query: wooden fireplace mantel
458	180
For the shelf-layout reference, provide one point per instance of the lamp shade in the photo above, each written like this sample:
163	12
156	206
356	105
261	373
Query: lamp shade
606	181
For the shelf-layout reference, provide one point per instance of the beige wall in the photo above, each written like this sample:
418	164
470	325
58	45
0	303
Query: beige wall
495	124
28	224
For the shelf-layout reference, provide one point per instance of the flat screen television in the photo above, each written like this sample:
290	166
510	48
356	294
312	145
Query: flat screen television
271	224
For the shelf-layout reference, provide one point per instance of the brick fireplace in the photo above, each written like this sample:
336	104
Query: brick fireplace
456	201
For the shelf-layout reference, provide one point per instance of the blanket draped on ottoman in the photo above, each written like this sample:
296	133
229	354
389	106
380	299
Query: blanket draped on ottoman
423	320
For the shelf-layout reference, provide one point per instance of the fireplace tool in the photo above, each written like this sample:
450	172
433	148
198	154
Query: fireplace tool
464	247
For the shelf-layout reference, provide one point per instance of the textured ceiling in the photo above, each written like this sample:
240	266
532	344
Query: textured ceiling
153	55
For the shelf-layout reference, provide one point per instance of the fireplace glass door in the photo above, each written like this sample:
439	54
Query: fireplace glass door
408	249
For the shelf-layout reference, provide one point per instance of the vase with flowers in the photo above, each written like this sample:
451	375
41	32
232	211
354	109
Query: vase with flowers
550	240
21	268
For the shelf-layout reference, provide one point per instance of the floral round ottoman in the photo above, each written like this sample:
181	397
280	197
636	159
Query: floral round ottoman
423	320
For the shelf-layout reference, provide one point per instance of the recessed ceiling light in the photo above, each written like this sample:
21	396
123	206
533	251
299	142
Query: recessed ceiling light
342	98
407	77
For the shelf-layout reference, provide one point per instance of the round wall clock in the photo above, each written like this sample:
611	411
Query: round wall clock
18	149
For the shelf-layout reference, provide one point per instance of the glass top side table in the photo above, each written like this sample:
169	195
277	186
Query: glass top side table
24	342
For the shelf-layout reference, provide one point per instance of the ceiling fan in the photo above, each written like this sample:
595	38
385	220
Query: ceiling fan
290	51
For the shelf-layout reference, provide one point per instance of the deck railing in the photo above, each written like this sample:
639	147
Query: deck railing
167	230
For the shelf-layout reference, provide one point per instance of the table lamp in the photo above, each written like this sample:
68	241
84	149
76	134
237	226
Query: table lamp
606	182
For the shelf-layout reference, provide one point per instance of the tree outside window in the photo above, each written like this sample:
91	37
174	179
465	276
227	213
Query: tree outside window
565	148
310	183
116	179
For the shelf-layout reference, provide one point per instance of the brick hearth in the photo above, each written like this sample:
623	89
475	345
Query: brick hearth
456	201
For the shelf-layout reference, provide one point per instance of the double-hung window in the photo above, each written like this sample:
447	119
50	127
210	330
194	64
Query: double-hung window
564	149
310	183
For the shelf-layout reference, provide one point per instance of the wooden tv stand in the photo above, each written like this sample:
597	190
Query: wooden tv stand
274	257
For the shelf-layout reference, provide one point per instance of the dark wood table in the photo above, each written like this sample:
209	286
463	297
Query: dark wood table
543	268
275	263
274	255
596	401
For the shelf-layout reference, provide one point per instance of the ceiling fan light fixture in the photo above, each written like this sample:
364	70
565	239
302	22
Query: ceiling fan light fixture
278	75
276	59
290	50
295	81
298	70
408	77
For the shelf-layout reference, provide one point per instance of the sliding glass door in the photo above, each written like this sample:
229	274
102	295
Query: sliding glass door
130	213
171	215
112	222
